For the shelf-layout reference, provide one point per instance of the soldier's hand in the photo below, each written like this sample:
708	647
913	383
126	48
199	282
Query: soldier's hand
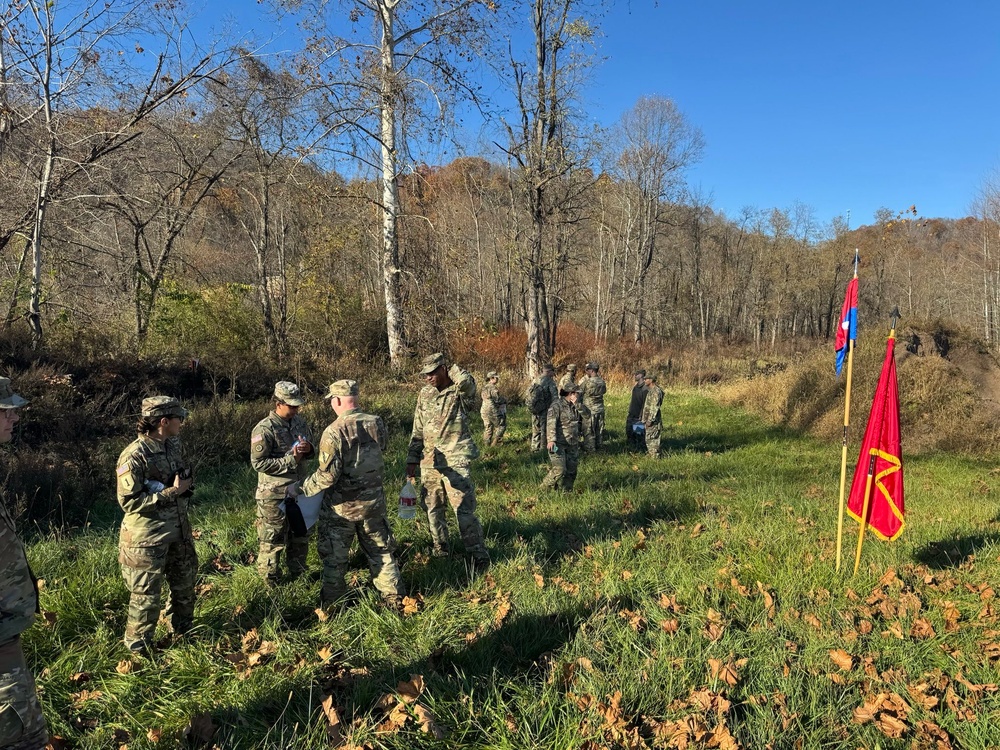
302	450
182	485
411	471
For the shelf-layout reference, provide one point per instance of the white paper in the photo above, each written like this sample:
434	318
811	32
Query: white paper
309	505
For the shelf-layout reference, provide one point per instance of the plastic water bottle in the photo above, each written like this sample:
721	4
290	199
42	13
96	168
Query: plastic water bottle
408	501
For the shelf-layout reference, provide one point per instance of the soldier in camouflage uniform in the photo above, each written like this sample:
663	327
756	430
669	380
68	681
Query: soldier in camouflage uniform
636	442
542	393
651	416
564	433
493	411
350	470
592	390
22	726
442	444
155	544
279	445
569	377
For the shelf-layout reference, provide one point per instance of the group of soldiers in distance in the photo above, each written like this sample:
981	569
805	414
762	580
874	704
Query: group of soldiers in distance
154	486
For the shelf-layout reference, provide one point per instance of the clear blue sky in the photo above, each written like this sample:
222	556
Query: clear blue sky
840	106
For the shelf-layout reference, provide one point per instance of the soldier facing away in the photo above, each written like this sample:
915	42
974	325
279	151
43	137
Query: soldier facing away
155	543
564	433
442	445
279	445
541	394
635	404
493	410
22	726
350	471
651	416
592	390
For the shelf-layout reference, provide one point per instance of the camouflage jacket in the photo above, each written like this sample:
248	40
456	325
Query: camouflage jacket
565	380
548	394
152	515
651	407
350	465
493	401
637	402
18	592
441	436
271	454
592	390
564	426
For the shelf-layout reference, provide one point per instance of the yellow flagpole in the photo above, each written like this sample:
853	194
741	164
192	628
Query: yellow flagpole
864	512
847	422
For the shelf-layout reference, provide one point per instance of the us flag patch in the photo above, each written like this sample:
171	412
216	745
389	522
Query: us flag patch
256	439
123	469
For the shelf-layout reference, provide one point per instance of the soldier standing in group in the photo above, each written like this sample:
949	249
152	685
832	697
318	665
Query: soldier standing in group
22	726
638	400
279	445
651	416
564	431
569	377
493	411
592	390
155	544
442	445
350	471
542	393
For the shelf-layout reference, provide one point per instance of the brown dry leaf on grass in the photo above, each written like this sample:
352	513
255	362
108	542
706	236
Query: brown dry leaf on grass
696	531
930	735
922	629
951	616
427	724
411	604
321	614
813	620
887	710
502	610
669	603
842	659
714	625
125	666
539	580
727	672
85	695
669	626
410	690
154	735
200	729
769	607
640	541
334	727
635	621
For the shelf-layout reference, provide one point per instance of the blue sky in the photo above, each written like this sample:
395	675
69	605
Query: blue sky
847	106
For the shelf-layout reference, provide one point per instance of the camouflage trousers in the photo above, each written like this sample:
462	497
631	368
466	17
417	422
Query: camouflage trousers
562	474
441	487
22	726
144	570
333	541
538	422
494	426
597	428
653	439
277	541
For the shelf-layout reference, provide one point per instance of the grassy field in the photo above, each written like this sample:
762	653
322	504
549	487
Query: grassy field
687	602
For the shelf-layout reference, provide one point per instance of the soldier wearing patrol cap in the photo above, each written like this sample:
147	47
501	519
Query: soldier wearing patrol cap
350	471
564	433
155	544
493	410
541	394
569	377
592	390
651	417
279	445
442	445
21	723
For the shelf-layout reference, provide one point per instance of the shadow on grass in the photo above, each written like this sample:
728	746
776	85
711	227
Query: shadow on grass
953	553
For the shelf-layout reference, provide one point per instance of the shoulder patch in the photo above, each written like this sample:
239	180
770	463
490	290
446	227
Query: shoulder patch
256	439
121	469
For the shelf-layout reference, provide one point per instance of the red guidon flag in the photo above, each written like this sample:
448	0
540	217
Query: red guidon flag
880	465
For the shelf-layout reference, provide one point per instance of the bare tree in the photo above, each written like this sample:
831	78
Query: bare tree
72	82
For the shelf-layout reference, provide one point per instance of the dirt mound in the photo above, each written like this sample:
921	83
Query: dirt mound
949	389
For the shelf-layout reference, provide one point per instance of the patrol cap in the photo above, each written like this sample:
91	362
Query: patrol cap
592	366
163	406
288	393
492	374
548	366
571	367
342	388
640	372
431	363
570	388
9	399
650	376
